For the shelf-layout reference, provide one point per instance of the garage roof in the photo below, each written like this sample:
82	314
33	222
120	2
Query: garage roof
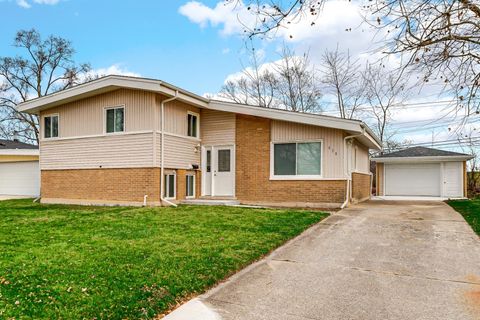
12	144
12	147
421	153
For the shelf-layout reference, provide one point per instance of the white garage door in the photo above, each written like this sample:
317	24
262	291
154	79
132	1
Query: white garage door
20	178
419	179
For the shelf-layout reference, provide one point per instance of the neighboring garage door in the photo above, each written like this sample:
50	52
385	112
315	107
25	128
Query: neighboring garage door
419	179
20	178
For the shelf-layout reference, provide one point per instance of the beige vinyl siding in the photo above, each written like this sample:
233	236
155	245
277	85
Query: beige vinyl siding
180	152
176	117
113	151
217	127
363	159
86	117
333	144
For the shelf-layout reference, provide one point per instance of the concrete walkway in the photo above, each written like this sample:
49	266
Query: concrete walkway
377	260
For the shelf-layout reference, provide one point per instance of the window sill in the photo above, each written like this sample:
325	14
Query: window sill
114	133
297	178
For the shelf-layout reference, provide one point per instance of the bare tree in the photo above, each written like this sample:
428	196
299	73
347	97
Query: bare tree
343	77
440	39
383	89
297	85
46	66
290	83
254	86
470	143
274	14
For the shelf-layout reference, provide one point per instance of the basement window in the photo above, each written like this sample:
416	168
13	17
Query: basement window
190	186
50	126
170	186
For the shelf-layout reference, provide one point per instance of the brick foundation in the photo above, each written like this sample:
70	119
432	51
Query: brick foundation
103	185
253	184
360	187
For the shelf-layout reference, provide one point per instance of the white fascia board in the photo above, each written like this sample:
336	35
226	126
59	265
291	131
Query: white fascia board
107	84
19	152
282	115
421	159
370	135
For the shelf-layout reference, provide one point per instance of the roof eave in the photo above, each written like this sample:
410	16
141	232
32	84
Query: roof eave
108	84
423	159
19	152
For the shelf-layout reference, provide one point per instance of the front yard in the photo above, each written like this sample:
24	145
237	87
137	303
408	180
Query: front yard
470	210
72	262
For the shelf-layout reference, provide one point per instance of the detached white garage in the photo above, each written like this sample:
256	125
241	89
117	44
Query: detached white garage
19	169
422	172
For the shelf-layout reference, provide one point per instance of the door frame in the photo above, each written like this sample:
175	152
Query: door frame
213	164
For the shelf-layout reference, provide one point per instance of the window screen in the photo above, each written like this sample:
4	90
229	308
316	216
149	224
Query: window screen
115	120
223	160
308	158
51	127
284	159
190	192
297	159
169	186
192	125
209	160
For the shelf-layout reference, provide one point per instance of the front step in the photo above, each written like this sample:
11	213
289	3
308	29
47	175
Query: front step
211	202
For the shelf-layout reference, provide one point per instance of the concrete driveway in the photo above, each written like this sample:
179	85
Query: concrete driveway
377	260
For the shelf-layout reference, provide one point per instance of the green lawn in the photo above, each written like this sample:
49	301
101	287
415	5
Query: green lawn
73	262
470	210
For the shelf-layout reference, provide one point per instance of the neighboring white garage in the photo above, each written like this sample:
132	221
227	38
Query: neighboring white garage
19	169
422	172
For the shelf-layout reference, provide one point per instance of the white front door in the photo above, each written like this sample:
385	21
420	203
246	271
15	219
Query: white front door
453	179
219	171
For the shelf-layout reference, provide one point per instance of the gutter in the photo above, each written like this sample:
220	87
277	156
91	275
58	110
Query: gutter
345	166
162	155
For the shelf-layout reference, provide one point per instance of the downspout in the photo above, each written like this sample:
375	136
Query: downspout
162	139
345	166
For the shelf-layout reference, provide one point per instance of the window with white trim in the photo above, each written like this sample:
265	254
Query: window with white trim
115	119
50	126
297	159
190	186
170	186
192	125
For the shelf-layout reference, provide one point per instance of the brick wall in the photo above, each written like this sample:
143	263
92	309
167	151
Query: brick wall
253	182
360	187
102	184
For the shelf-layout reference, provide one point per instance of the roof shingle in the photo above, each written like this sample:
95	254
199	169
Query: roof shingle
420	152
9	144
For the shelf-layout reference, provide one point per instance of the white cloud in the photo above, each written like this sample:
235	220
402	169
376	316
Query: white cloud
25	4
50	2
233	16
226	51
115	69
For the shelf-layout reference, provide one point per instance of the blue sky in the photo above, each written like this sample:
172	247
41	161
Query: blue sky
197	44
150	38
